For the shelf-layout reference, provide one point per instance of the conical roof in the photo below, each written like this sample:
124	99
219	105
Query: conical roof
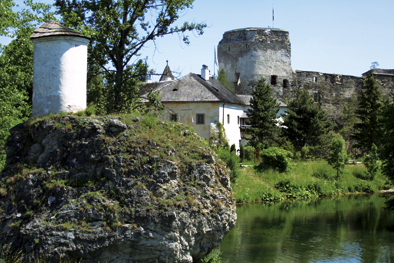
51	28
167	74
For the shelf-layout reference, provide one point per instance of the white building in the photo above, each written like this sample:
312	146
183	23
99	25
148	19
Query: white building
60	68
202	101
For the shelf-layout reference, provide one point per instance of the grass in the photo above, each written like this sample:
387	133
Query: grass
304	180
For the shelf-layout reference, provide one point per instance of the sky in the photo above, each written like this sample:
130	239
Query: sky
330	36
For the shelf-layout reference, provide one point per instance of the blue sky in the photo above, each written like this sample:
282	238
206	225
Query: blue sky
331	36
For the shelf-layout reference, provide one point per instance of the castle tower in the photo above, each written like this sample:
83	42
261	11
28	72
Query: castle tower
60	67
249	54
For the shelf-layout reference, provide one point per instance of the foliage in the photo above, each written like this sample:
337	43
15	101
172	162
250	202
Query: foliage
337	157
372	161
307	125
349	119
233	148
249	153
369	112
304	180
277	158
263	116
16	64
242	152
387	145
214	257
222	77
232	162
118	31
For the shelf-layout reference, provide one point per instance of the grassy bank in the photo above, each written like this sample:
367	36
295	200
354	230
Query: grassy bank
304	180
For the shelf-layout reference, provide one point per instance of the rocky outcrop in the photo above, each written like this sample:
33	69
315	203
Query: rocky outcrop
126	189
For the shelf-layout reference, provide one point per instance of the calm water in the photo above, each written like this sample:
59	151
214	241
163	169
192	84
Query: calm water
345	229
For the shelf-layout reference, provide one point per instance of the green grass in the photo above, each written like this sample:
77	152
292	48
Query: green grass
304	180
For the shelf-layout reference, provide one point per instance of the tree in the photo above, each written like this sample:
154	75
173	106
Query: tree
387	142
263	116
337	157
307	125
16	64
369	130
118	31
222	77
371	162
349	119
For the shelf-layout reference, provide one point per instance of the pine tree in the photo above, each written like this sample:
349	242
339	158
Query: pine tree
387	142
263	116
307	125
369	130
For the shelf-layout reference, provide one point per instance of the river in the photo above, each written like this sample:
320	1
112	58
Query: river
339	229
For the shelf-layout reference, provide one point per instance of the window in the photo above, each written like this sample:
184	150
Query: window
173	117
314	79
228	118
285	83
238	120
200	118
274	80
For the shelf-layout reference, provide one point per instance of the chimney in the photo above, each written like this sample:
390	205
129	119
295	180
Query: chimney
205	72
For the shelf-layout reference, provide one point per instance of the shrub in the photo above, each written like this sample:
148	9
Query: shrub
242	152
232	162
249	153
89	111
277	158
233	148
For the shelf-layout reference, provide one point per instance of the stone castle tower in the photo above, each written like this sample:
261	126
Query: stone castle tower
60	67
249	54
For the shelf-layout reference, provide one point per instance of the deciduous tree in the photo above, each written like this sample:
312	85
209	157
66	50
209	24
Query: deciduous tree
119	29
337	157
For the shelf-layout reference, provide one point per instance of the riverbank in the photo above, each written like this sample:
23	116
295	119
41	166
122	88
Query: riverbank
304	180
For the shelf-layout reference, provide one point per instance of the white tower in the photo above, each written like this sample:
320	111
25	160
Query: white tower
60	67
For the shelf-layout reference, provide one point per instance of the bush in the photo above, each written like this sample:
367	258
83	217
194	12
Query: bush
232	162
233	148
249	153
277	158
89	111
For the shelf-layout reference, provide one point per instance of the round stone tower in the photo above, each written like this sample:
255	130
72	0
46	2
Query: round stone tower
60	67
249	54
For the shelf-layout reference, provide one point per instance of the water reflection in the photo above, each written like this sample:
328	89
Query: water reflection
342	229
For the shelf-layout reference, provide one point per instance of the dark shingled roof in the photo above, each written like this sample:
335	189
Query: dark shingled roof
192	88
50	28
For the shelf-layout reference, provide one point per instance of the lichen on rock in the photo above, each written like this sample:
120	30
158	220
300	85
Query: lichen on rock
112	189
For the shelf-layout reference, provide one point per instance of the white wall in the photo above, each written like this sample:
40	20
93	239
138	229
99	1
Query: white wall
233	133
59	79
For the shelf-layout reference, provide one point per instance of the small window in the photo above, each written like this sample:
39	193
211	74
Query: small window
238	120
274	80
229	48
285	83
247	45
314	79
228	118
174	117
200	119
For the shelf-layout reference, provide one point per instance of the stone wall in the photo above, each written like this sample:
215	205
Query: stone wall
249	54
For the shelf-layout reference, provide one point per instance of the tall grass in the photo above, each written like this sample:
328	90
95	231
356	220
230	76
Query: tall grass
304	180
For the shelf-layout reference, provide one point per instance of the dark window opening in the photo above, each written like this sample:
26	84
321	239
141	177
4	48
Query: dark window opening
229	48
285	83
314	79
247	45
200	118
274	80
228	118
174	117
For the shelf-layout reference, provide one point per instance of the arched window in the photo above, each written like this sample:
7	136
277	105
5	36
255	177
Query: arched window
286	83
